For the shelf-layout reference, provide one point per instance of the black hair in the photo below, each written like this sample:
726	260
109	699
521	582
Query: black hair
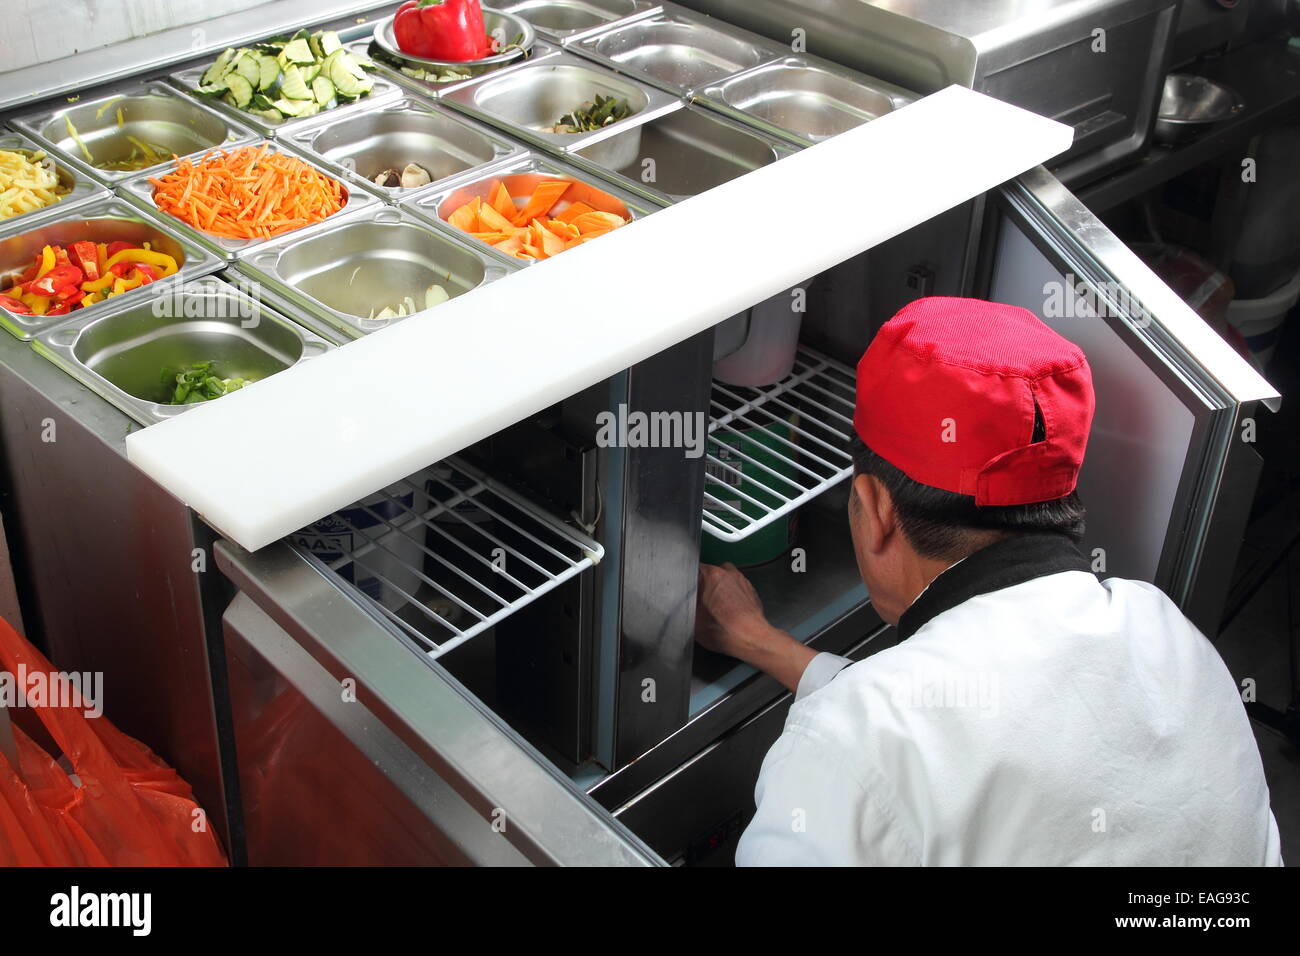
948	526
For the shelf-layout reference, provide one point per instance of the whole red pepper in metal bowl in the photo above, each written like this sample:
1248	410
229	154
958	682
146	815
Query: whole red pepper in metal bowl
442	30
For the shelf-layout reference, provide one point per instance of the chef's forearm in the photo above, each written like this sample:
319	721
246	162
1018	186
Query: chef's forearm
776	654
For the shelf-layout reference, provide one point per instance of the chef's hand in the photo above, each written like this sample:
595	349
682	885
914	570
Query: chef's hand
729	619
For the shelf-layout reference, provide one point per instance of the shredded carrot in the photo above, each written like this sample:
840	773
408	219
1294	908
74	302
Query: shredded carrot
248	193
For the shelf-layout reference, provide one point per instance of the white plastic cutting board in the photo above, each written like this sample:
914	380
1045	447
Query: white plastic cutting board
282	453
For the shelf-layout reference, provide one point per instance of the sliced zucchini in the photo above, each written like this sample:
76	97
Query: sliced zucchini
240	91
299	51
271	115
345	81
329	42
291	107
249	68
292	85
212	89
323	90
269	70
218	69
309	73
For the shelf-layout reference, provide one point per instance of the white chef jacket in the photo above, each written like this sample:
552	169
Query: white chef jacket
1031	714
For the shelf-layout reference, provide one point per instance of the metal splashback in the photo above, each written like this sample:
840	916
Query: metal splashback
1044	55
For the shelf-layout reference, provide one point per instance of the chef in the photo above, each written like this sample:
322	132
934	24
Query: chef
1031	712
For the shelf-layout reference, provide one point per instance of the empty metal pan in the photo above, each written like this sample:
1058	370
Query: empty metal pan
677	51
563	19
804	101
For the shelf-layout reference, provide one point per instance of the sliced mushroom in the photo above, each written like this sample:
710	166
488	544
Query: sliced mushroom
388	178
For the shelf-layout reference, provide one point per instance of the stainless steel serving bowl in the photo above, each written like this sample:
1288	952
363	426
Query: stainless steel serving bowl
1190	104
505	27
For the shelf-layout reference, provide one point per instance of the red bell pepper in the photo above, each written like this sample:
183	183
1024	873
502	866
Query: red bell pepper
120	269
117	246
59	308
442	30
147	273
85	255
17	307
55	279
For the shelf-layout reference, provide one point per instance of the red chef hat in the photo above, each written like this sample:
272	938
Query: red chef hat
950	392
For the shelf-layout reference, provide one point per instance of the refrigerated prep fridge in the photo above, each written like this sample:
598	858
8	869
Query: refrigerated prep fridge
492	661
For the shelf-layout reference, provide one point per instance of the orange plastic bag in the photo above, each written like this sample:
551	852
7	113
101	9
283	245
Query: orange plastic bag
129	808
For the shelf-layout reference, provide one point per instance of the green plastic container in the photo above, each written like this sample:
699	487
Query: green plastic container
759	444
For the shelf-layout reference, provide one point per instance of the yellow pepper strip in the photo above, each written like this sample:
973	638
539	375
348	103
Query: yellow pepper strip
47	261
103	256
37	303
100	284
160	259
91	299
126	285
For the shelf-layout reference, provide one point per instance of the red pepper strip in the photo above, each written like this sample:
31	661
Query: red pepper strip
117	246
147	273
61	257
68	293
120	269
85	255
55	279
10	304
61	308
29	273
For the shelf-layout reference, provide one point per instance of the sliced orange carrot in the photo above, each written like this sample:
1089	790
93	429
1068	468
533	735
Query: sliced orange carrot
490	219
573	211
546	195
502	202
466	217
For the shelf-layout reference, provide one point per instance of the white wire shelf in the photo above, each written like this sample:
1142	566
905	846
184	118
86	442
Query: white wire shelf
446	554
772	449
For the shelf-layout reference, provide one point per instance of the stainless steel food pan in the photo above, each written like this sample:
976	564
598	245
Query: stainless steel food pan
129	353
527	99
521	177
433	83
678	51
188	81
140	191
111	127
78	188
803	100
344	272
565	19
104	220
402	131
685	153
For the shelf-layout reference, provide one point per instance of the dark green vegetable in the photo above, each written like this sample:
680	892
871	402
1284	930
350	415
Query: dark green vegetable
594	115
198	383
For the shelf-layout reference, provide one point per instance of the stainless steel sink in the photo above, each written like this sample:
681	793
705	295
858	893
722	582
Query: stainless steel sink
687	152
529	98
130	354
521	177
804	101
110	127
77	187
677	51
403	131
104	220
349	270
561	19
